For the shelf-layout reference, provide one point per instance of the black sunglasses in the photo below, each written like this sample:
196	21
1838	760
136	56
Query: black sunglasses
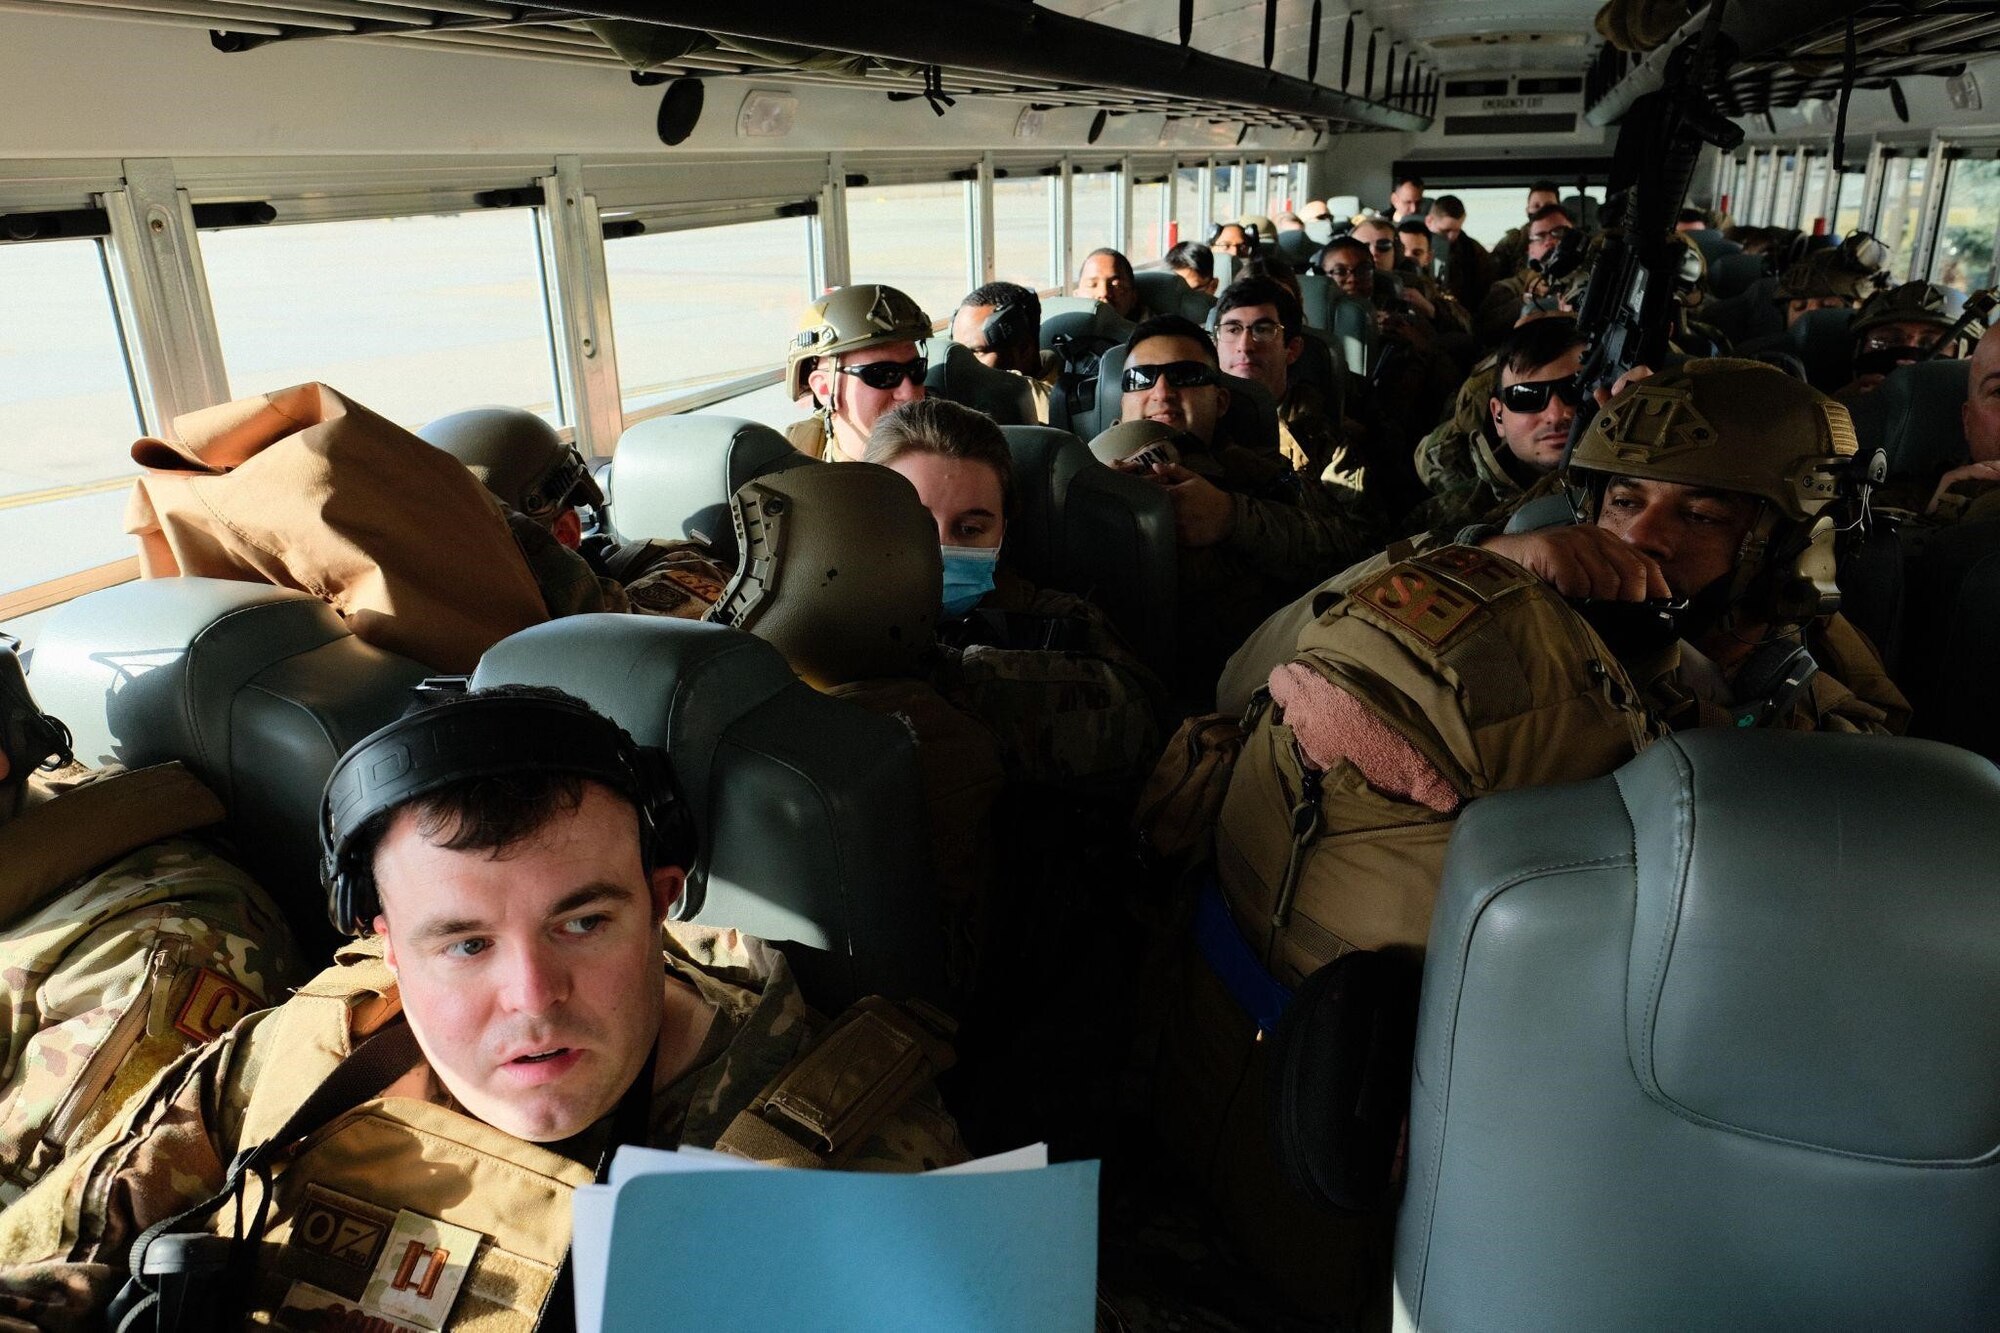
1384	245
1533	397
1180	374
888	374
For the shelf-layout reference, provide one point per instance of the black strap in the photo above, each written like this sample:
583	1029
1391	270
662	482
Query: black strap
373	1066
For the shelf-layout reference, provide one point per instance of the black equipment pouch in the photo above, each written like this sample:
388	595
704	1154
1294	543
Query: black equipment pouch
1340	1080
1771	682
186	1279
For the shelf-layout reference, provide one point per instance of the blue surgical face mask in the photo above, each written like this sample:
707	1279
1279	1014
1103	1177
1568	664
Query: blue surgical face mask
968	576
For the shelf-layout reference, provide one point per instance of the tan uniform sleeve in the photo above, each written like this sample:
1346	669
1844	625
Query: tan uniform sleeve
64	1245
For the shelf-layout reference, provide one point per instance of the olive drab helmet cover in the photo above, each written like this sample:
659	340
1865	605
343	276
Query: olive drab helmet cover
1852	271
517	456
1734	425
850	319
1916	302
840	571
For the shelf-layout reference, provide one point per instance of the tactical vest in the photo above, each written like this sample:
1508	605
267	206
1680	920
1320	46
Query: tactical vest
400	1213
161	946
1443	678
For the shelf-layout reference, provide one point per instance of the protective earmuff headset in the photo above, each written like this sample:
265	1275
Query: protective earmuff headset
1007	325
488	736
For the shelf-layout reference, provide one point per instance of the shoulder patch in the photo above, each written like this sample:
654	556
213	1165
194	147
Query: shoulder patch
1434	594
213	1006
1419	601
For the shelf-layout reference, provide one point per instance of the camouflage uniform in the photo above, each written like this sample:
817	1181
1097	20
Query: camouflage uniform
1068	704
677	578
115	975
64	1246
569	586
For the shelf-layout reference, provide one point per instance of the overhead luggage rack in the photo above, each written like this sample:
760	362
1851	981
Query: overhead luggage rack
1790	51
907	49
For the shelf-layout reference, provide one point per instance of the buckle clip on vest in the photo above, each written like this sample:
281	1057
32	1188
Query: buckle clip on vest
186	1279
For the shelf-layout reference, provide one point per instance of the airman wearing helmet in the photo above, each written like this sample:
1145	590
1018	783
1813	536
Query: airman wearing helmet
544	483
856	352
1838	278
1715	486
1901	325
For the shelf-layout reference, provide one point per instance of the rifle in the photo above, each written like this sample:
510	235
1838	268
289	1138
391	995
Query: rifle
1629	304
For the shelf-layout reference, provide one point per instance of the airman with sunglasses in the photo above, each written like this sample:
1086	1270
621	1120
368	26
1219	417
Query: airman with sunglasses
856	353
1252	532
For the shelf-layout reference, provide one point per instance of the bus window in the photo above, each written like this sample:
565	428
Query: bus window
911	237
1965	240
1021	234
1847	201
1785	191
1902	210
1188	204
1222	195
1818	168
416	317
67	420
1148	198
1092	204
693	308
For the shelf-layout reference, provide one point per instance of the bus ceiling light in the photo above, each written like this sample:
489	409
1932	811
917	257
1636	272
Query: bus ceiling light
766	114
680	108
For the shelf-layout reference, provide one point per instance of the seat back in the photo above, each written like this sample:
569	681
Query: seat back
1083	528
1081	317
1296	246
1951	650
1164	293
257	689
1352	326
1821	342
1710	1040
1713	244
1915	416
671	477
1317	295
805	803
1731	274
962	378
1101	414
1751	314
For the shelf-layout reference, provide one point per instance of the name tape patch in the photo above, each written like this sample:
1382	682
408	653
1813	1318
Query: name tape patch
307	1307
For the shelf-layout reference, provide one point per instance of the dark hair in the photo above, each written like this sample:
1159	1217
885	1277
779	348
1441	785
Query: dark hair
949	430
1547	211
1015	296
1192	255
1546	187
488	813
1272	268
1449	205
1251	236
1537	343
1401	181
1121	263
1256	289
1692	215
1169	326
1413	227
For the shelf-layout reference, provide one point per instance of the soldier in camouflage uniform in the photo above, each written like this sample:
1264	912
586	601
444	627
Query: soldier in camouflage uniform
1496	450
1251	531
546	1017
1071	707
858	353
124	940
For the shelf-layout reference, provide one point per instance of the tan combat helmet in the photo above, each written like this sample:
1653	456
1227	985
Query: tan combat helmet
517	456
1732	425
1852	271
1145	441
1267	230
840	571
848	320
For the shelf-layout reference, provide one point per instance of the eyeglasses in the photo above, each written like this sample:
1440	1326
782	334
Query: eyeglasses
1179	374
1263	331
1343	271
1383	246
886	375
1539	237
1527	399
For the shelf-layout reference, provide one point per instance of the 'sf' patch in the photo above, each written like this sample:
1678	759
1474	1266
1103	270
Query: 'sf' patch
1419	601
213	1005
